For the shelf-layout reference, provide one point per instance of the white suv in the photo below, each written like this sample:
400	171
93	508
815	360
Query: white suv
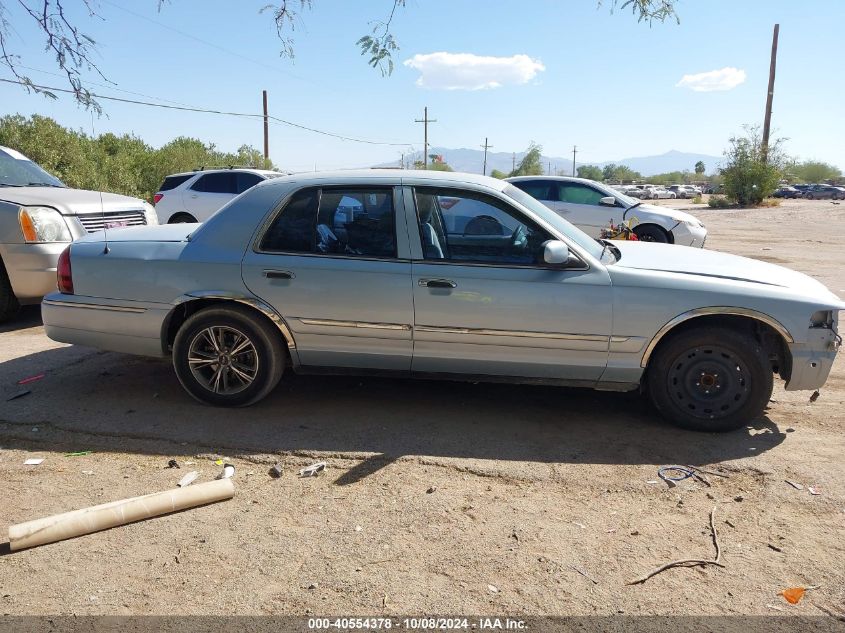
195	196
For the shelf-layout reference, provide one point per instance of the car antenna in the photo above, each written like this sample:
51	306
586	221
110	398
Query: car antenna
102	207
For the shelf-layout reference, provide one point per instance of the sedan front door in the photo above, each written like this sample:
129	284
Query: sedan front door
485	302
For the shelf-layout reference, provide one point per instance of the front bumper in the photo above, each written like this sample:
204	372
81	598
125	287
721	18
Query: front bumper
32	268
687	235
812	360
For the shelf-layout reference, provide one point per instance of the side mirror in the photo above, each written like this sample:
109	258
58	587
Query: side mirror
555	252
608	201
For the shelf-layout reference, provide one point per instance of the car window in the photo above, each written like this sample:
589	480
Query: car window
350	222
171	182
244	180
357	222
221	182
293	228
537	189
465	226
576	193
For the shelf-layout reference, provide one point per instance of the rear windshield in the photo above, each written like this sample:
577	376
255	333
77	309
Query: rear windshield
171	182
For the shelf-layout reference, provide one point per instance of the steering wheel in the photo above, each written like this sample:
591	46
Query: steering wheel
484	225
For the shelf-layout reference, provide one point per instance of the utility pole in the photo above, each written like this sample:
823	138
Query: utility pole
425	120
266	128
767	121
485	147
574	151
513	162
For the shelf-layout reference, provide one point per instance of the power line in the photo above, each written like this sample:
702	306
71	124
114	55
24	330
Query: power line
210	111
207	43
485	147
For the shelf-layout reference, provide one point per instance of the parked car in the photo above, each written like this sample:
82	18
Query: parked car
822	192
437	274
662	192
787	192
195	195
592	206
39	216
683	191
713	189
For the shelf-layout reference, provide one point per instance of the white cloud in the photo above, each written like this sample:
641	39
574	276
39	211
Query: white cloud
723	79
465	71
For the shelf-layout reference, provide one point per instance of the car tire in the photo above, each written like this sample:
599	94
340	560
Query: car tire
651	233
710	379
9	305
229	380
182	218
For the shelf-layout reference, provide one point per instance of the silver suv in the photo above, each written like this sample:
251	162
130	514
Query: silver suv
194	196
39	216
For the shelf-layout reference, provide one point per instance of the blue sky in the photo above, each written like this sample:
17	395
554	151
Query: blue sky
583	76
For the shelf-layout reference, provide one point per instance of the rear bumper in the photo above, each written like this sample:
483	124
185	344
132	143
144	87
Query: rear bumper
32	268
131	328
812	360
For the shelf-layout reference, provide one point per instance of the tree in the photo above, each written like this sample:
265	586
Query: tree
532	163
700	168
76	52
749	175
590	172
813	171
498	174
620	172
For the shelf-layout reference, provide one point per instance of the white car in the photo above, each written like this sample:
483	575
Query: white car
592	206
659	192
195	196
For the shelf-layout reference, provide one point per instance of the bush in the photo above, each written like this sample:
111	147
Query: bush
752	174
719	202
697	199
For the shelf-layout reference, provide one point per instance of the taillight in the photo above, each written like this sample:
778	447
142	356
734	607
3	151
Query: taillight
63	273
157	197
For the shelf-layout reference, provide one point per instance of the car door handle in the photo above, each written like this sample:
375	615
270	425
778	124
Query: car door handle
279	274
437	283
195	196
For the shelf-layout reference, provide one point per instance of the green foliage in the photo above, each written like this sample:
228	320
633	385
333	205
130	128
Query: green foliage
620	173
121	164
751	173
590	172
813	171
670	178
439	167
531	164
719	202
498	174
700	168
697	199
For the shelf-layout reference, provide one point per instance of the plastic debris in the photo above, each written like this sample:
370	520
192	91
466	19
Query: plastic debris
493	588
814	396
793	595
19	394
26	381
219	462
312	470
33	461
87	472
794	484
188	478
228	471
78	453
173	464
813	490
276	470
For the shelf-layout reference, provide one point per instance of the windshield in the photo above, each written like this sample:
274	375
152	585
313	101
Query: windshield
623	198
16	170
583	240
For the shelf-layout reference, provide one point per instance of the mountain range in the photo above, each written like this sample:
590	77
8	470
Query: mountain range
471	160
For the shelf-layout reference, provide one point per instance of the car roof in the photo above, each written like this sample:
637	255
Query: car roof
557	178
387	176
217	170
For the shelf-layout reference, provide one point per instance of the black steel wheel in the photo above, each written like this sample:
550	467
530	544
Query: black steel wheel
651	233
710	379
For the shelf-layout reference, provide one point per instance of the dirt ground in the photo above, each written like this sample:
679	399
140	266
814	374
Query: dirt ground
438	498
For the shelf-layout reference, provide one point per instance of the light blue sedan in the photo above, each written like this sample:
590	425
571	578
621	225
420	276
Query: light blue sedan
443	275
